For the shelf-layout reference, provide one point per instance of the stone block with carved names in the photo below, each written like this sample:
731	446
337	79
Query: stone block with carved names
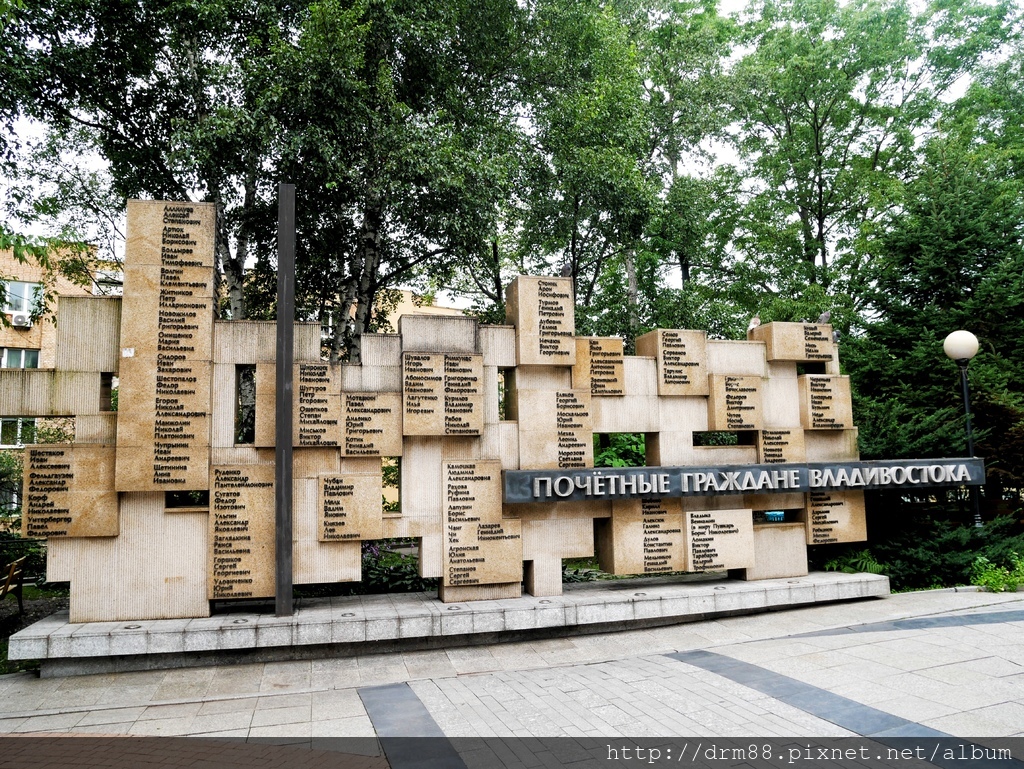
825	402
599	366
681	357
804	342
68	492
735	403
643	536
543	312
717	540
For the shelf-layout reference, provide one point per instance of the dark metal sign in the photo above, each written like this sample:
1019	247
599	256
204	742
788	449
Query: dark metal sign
521	486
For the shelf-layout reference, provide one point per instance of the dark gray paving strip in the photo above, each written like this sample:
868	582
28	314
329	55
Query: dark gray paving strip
923	623
860	719
402	722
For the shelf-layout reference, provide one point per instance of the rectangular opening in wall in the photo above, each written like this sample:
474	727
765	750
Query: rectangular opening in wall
503	393
620	450
245	404
181	500
725	438
812	367
391	472
106	391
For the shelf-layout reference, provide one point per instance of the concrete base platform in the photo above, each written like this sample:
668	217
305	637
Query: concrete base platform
331	627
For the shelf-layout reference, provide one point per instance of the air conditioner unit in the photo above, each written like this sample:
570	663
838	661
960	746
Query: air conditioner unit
21	320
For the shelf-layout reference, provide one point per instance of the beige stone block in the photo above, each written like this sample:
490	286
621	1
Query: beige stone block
779	552
352	378
349	506
508	445
306	343
96	428
558	538
244	341
463	394
150	326
420	478
75	392
88	333
69	492
381	350
719	539
492	397
310	463
835	516
628	414
542	576
266	388
599	366
569	449
240	562
831	445
781	445
735	403
423	394
644	536
806	342
379	379
498	345
241	455
780	398
371	424
825	402
169	234
737	358
438	333
670	449
224	397
407	526
316	407
462	447
465	593
536	378
681	357
543	312
316	563
431	548
26	392
724	455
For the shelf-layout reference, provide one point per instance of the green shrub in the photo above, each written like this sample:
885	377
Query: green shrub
996	578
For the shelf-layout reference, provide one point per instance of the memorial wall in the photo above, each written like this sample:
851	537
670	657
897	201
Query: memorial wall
155	511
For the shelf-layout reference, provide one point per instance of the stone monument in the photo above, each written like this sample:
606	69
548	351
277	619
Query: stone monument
155	511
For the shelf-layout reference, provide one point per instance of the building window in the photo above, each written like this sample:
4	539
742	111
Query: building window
15	357
21	296
17	431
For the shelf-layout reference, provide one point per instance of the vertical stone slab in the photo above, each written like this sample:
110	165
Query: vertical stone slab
803	342
480	548
682	359
599	366
68	492
463	394
371	424
543	312
835	516
423	393
166	347
781	446
717	540
350	507
825	402
240	562
316	409
555	429
735	403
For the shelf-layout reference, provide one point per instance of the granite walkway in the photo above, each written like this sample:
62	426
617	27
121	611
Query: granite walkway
917	664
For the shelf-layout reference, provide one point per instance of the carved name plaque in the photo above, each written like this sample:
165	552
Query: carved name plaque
463	394
166	348
543	313
241	549
825	402
442	394
316	406
817	342
67	492
780	446
647	537
599	366
807	342
719	539
734	403
372	424
350	506
682	360
835	516
479	546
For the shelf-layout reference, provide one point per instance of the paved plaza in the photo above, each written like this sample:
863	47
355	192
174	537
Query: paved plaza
916	664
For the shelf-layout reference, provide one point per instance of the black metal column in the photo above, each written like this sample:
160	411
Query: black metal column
283	413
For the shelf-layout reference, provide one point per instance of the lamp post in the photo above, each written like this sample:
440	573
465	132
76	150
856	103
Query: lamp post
961	346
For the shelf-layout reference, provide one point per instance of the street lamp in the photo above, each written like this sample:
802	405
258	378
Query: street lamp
961	346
